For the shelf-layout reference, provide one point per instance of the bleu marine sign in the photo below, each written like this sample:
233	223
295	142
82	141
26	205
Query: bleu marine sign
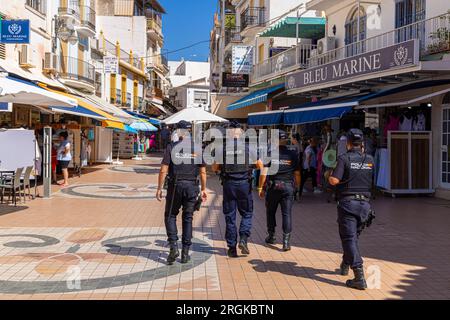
402	55
15	31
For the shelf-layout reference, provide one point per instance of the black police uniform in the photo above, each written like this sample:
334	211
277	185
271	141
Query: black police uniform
183	189
281	191
237	193
355	171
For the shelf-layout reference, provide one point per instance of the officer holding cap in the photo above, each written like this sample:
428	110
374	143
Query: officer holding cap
184	165
235	171
353	179
281	188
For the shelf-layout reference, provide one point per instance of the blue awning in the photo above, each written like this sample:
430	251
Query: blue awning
254	97
141	116
316	114
267	118
79	111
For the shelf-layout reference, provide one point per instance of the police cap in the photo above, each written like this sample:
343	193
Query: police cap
355	135
282	135
184	125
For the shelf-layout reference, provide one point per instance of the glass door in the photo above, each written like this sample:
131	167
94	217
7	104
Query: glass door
445	148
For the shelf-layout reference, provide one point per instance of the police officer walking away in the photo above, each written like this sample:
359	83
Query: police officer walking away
236	178
353	178
184	167
281	188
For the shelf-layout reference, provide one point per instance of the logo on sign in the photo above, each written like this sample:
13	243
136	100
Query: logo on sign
14	29
400	56
291	82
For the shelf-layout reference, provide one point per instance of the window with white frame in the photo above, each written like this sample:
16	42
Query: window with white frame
38	5
200	97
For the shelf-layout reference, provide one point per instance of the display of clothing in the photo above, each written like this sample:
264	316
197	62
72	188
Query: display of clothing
383	168
392	124
420	123
406	123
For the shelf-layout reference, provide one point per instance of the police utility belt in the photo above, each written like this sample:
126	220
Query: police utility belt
358	197
278	184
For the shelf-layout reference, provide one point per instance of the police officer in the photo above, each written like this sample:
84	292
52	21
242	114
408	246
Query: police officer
353	179
281	188
184	166
236	176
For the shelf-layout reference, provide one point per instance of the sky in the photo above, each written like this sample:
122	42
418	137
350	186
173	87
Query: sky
188	22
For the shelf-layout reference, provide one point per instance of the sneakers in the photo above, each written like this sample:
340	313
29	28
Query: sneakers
317	191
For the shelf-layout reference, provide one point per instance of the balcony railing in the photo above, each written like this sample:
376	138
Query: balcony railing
433	35
71	8
70	68
154	24
253	16
87	17
233	35
281	63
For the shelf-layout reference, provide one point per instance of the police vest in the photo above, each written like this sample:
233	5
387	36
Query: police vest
358	175
287	163
185	163
236	159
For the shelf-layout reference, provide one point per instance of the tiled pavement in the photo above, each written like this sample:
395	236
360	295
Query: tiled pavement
103	238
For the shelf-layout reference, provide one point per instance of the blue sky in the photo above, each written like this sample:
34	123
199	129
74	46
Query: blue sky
188	22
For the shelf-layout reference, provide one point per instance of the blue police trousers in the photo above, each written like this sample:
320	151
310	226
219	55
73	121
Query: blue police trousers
184	195
351	214
237	196
285	199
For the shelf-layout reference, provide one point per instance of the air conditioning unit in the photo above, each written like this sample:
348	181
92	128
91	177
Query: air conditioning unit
326	44
25	56
50	62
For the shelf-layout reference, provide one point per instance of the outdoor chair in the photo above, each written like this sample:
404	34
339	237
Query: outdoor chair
12	183
26	184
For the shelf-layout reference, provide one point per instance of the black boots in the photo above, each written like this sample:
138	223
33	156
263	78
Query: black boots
344	269
243	245
359	282
173	254
232	252
286	242
270	238
185	255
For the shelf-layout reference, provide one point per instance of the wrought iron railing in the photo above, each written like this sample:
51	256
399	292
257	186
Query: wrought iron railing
72	8
233	35
281	63
75	69
87	17
253	16
433	35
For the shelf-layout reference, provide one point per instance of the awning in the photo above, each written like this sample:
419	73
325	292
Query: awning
78	111
111	124
316	114
18	91
267	118
143	125
309	28
142	116
158	106
258	96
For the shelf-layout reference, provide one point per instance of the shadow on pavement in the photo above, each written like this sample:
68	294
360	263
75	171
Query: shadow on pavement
8	209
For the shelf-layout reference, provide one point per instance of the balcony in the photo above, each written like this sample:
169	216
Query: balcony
433	35
282	63
253	20
154	27
232	36
76	73
160	62
70	10
87	21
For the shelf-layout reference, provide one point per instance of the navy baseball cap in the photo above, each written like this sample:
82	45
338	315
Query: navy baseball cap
184	125
355	135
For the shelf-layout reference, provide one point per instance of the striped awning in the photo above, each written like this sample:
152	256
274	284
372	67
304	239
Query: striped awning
258	96
309	28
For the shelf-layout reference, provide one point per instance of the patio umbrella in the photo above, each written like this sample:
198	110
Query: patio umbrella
142	125
196	115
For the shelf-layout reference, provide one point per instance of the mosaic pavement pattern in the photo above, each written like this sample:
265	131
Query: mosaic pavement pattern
135	169
111	260
121	191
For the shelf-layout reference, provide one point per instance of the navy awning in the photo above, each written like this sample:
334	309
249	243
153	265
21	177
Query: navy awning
254	97
267	118
316	114
141	116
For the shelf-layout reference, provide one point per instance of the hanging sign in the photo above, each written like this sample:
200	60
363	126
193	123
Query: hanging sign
110	64
242	57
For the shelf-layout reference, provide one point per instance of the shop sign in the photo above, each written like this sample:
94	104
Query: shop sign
405	54
15	31
235	80
242	59
110	64
5	106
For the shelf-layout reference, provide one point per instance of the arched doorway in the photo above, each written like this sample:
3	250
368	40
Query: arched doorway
355	31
